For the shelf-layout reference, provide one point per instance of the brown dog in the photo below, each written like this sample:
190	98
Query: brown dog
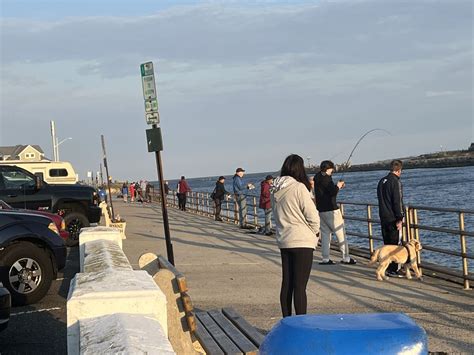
401	254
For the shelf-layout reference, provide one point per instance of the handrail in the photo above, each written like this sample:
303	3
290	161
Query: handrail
201	203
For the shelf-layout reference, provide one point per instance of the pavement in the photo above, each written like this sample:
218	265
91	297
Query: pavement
41	328
225	266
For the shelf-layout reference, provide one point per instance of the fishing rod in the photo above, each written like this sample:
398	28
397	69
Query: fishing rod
357	144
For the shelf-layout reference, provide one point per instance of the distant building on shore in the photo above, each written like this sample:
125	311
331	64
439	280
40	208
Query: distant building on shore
471	148
22	153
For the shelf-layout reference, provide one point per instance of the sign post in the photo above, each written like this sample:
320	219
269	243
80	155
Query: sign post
155	142
108	176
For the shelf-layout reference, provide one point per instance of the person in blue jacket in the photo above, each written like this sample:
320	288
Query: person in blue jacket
239	193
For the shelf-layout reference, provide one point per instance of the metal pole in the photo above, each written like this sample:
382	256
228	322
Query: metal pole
407	234
107	172
164	210
417	235
465	270
53	137
255	215
369	227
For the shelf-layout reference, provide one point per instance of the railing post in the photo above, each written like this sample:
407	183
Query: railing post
236	210
416	234
255	216
465	270
369	229
406	235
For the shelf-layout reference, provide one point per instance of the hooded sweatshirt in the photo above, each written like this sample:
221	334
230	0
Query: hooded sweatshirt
296	217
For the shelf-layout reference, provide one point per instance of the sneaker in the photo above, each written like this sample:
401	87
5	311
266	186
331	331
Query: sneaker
329	262
246	227
269	233
218	219
395	274
350	262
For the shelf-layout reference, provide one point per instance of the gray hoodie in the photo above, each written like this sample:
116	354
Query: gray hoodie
296	217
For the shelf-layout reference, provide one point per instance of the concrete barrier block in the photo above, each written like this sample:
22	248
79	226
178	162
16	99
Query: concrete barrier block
94	233
102	293
123	333
103	255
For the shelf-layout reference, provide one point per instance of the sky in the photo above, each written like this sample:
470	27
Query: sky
239	83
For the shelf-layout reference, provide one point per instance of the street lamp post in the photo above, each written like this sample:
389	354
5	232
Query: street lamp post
58	144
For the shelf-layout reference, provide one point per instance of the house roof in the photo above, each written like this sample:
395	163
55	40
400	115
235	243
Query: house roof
14	151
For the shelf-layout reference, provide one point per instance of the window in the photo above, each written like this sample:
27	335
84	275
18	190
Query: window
16	180
57	172
29	155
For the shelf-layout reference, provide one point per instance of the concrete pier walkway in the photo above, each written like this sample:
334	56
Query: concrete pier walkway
226	266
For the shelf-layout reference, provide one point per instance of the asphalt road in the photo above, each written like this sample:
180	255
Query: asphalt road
41	328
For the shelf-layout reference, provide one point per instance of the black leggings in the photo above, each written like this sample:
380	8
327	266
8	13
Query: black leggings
296	266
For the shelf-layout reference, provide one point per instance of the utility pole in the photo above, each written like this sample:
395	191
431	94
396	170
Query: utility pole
53	137
155	143
107	172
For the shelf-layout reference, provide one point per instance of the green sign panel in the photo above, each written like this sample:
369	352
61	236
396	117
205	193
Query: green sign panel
151	105
147	68
149	90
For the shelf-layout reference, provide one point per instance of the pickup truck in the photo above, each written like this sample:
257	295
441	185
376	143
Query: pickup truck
77	204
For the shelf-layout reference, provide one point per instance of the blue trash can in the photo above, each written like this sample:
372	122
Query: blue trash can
379	333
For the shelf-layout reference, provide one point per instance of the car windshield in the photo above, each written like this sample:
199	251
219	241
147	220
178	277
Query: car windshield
5	206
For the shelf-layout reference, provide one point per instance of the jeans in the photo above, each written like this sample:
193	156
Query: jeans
242	204
268	220
332	222
218	205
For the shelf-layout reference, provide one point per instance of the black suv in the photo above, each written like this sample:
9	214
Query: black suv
31	253
77	204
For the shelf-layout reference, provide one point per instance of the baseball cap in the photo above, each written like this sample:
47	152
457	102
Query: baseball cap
221	177
238	170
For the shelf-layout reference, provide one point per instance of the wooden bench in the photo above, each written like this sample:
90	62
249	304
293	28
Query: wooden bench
219	331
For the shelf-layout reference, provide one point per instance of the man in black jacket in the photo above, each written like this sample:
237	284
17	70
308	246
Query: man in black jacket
218	197
390	196
329	213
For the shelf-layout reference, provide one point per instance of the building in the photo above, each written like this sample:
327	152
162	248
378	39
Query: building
23	153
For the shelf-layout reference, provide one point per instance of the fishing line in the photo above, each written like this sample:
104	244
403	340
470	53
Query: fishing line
357	144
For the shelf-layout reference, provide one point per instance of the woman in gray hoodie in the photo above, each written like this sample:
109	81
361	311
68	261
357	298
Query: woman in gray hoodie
297	226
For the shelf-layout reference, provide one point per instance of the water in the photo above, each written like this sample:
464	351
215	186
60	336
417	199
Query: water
449	187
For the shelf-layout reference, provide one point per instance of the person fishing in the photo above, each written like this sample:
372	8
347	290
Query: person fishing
218	196
239	193
330	214
266	204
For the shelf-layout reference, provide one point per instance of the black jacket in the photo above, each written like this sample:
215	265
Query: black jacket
325	191
390	196
220	191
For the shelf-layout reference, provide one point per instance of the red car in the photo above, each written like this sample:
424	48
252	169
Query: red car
57	219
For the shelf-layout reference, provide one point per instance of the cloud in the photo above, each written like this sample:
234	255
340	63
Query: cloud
280	78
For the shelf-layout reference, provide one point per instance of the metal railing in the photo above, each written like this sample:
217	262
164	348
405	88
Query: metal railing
201	203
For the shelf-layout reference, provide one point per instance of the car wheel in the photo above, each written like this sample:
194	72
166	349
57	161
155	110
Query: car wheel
74	222
26	271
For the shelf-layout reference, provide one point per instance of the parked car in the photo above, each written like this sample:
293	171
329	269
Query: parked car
57	219
5	306
31	253
77	204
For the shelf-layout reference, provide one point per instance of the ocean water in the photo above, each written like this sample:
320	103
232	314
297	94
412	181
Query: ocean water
444	188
